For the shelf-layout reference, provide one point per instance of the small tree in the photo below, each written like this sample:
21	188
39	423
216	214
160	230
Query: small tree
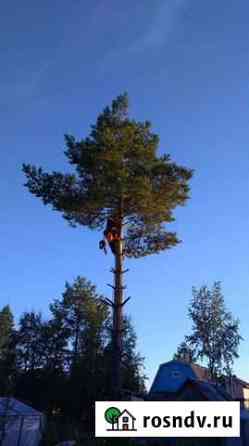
6	329
132	362
215	335
111	415
7	350
118	177
83	315
30	348
7	366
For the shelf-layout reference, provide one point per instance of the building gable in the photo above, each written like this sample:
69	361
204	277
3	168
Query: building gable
171	376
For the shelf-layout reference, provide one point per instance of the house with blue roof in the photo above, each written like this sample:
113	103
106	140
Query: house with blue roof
172	376
179	380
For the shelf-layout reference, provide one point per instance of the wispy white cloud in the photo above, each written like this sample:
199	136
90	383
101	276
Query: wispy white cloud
162	25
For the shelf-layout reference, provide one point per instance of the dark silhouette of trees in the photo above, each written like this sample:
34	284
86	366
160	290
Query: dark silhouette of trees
64	364
185	352
7	350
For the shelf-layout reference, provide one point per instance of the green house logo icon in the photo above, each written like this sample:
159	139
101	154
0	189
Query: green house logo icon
120	421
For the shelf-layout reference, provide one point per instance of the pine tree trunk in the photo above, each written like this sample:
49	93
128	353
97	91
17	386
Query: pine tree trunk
117	321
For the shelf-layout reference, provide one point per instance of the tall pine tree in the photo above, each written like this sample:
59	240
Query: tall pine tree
119	180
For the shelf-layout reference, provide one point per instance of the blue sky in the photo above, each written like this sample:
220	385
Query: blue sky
185	65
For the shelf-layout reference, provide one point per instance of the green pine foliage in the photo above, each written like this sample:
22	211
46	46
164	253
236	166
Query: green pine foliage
118	173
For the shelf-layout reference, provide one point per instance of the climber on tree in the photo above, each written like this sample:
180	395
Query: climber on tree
111	234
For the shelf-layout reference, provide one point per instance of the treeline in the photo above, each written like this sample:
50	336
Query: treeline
62	364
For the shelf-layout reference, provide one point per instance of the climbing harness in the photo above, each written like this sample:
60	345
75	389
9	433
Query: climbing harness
111	234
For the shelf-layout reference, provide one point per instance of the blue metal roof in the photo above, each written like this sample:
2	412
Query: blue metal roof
13	407
212	392
171	376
